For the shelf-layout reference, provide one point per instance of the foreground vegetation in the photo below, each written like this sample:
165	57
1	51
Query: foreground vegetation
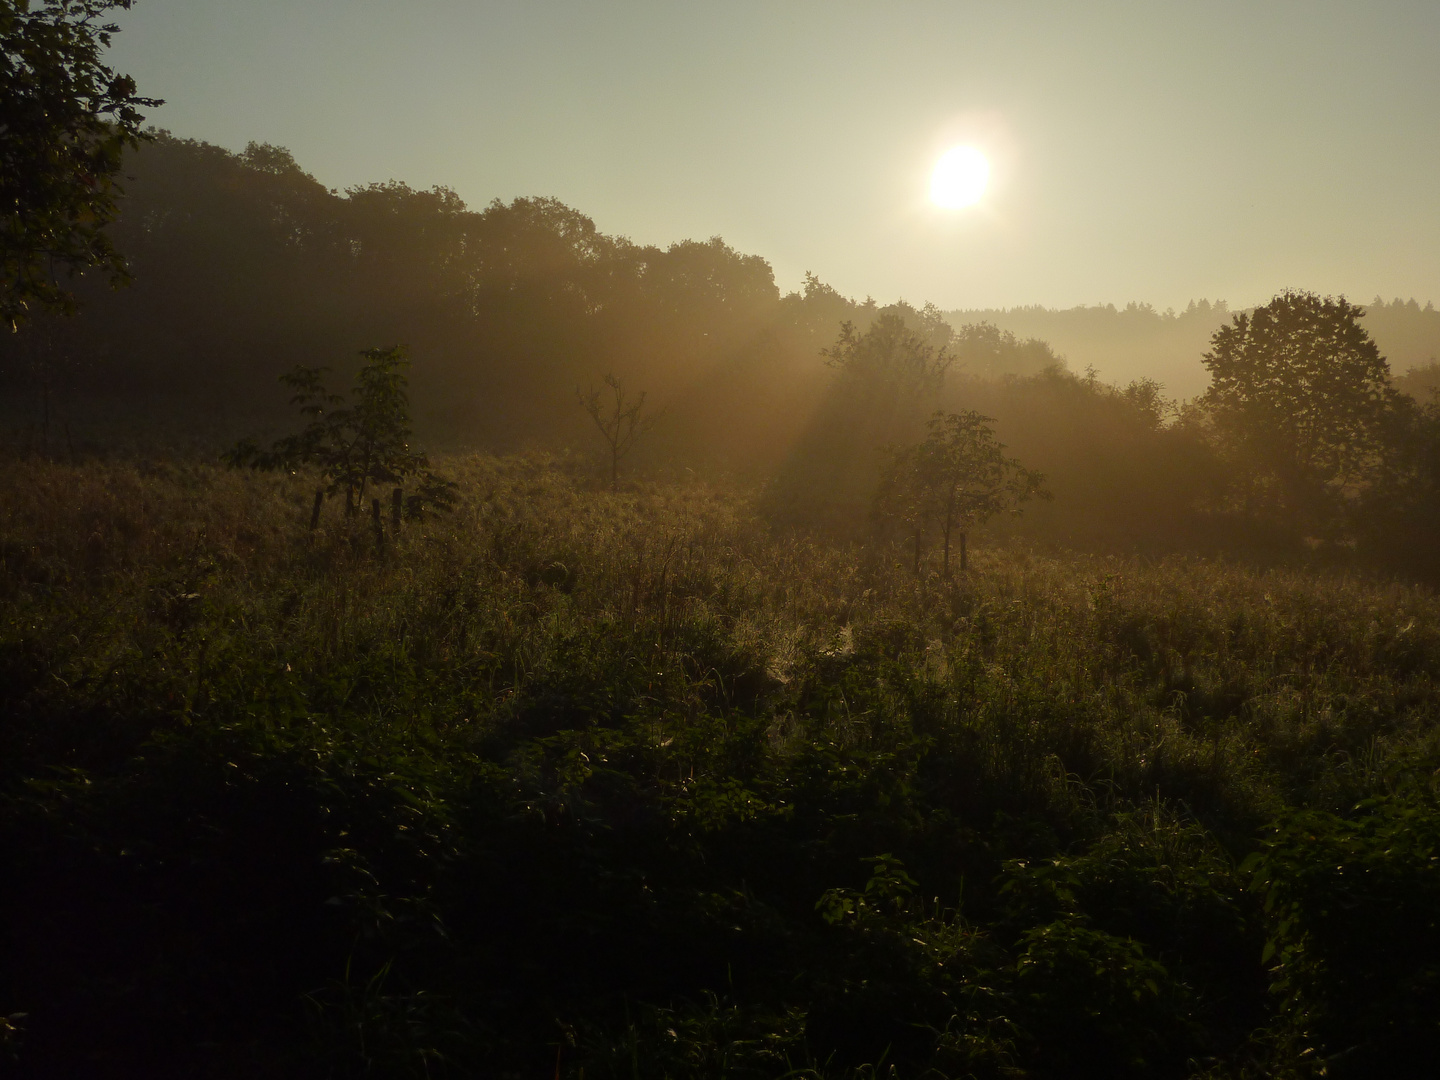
578	782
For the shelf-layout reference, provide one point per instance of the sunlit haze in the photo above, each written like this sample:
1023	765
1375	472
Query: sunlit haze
1147	152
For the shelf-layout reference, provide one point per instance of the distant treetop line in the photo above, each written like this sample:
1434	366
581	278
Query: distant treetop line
1138	341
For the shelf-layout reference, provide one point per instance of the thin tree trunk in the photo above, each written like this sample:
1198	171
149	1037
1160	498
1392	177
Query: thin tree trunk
379	527
315	510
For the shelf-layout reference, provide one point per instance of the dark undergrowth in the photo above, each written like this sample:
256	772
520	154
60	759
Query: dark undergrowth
576	784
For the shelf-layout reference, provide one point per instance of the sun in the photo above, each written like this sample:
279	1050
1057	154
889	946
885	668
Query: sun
959	178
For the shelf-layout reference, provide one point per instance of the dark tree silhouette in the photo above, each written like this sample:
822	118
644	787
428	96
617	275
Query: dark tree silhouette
356	446
65	121
619	418
1300	396
958	478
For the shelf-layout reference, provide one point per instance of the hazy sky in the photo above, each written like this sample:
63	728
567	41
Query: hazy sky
1141	151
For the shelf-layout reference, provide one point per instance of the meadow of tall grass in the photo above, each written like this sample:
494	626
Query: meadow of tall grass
586	783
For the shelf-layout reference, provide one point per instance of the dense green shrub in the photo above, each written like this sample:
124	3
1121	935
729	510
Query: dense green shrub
1354	947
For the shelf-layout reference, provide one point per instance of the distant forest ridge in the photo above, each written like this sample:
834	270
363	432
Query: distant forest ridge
1137	341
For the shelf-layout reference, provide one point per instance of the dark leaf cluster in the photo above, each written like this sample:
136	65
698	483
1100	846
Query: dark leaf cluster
957	479
357	445
66	120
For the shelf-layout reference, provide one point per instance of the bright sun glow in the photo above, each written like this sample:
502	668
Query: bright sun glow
959	178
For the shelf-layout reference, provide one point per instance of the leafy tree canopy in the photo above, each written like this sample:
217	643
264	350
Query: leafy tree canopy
65	121
893	352
1301	395
984	349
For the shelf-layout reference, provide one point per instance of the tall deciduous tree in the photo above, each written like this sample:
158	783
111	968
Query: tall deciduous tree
65	120
1300	395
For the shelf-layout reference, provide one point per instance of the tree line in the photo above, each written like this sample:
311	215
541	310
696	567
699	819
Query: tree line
245	267
1302	442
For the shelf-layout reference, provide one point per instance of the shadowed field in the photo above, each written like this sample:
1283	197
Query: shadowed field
632	784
